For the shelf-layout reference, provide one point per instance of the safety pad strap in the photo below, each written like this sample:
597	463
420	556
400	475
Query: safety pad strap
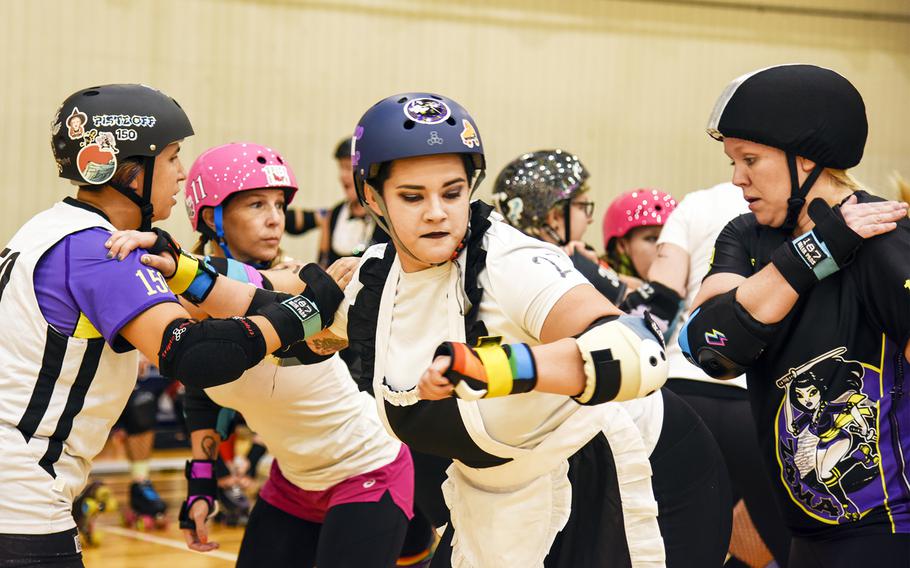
624	358
496	363
466	371
187	267
524	367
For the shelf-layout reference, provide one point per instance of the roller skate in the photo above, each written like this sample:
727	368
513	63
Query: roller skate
94	500
146	510
234	506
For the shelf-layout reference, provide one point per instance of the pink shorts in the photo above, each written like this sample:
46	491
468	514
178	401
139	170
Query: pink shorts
397	478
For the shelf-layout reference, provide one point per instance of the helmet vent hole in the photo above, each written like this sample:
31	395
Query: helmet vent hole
657	207
408	124
653	361
436	97
402	100
90	93
260	159
450	121
280	161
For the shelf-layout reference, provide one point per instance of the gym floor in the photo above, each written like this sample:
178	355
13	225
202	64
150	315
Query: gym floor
127	547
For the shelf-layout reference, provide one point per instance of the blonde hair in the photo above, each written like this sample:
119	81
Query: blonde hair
903	187
845	179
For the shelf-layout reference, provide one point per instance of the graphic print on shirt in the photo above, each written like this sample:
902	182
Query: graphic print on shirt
827	437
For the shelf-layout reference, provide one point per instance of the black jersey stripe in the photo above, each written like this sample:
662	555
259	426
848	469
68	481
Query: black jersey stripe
6	270
51	364
74	403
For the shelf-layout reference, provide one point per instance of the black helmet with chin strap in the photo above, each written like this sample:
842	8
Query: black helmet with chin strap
98	128
803	110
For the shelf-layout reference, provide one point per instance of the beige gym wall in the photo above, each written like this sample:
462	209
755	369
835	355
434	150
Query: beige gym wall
627	85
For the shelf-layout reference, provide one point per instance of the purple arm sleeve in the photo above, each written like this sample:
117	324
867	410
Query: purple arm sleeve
110	292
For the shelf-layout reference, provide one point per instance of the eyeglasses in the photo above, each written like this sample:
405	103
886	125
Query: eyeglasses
586	206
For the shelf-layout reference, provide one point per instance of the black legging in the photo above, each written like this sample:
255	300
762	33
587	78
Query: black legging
868	551
728	415
690	486
692	489
353	535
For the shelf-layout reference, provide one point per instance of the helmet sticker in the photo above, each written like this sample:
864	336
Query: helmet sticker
127	124
355	155
427	111
515	207
75	124
276	175
434	139
469	135
97	160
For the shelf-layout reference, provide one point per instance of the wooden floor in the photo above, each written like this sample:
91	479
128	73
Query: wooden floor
125	547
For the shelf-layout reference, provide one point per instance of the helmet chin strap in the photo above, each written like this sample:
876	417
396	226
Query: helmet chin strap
567	228
798	193
387	227
218	220
144	201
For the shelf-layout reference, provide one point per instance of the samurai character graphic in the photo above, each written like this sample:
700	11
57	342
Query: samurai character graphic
833	422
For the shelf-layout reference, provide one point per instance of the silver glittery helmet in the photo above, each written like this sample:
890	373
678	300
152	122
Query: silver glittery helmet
532	184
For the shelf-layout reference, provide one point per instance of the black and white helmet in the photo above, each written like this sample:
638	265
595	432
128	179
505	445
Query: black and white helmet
803	110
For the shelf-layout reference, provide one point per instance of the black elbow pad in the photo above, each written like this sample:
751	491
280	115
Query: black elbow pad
723	338
210	352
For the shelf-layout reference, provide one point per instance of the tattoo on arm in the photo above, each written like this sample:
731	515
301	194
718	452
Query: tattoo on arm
326	345
210	447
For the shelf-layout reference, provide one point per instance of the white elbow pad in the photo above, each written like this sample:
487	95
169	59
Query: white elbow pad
624	358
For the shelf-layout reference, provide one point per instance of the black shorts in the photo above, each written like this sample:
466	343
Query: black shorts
60	550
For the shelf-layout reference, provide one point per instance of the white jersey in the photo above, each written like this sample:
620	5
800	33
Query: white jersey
319	427
694	226
522	280
60	395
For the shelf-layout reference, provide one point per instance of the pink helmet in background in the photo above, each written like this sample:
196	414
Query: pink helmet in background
222	171
636	208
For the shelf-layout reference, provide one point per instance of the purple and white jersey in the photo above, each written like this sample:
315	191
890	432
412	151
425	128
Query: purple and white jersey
63	385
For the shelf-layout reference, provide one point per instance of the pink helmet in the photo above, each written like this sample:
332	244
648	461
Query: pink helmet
225	170
637	208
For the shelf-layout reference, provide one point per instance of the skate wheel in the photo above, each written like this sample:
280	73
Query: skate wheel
90	507
147	523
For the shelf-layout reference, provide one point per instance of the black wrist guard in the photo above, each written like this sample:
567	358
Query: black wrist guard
200	484
819	253
165	243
